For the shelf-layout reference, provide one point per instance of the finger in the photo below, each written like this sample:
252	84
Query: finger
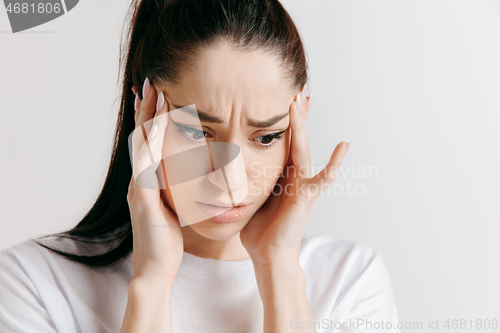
148	104
303	98
160	120
130	193
150	155
145	112
299	147
137	106
306	102
150	151
309	102
308	105
327	176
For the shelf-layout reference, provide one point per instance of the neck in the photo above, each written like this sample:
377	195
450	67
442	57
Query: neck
229	249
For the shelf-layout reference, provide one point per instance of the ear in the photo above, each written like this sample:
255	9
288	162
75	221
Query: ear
135	90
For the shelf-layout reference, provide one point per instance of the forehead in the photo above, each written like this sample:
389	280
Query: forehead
224	80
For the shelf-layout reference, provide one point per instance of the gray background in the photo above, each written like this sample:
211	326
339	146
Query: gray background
415	84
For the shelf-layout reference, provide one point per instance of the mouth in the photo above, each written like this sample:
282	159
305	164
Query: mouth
222	212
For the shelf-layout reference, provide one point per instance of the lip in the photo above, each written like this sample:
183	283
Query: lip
223	214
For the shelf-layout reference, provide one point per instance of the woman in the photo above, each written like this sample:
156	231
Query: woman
215	201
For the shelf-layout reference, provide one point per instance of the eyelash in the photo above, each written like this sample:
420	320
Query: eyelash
275	136
186	129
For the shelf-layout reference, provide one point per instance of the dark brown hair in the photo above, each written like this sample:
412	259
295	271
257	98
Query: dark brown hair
160	43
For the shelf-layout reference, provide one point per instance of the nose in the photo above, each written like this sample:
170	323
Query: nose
230	173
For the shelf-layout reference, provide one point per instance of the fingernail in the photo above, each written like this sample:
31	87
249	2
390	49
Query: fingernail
299	104
136	102
304	92
153	131
349	145
309	101
146	88
159	102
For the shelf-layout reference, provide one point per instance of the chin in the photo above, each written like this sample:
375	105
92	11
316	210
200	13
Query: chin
216	230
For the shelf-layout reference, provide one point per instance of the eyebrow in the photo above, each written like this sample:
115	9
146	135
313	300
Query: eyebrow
205	117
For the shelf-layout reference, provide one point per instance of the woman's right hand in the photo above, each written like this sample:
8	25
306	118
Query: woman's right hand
157	236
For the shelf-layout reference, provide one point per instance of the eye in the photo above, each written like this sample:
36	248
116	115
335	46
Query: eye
193	134
196	134
266	141
190	133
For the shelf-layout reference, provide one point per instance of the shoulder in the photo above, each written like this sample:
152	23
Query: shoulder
27	264
351	264
21	294
20	254
41	290
32	257
32	264
13	259
327	251
351	275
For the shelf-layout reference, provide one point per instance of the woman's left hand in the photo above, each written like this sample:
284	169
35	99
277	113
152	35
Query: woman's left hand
274	233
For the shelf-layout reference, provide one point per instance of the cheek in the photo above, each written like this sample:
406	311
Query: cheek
173	142
265	167
165	191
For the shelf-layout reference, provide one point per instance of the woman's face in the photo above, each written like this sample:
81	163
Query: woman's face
241	98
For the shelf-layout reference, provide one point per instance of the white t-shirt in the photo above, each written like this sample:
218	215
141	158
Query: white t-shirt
347	285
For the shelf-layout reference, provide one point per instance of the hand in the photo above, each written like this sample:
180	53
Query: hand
274	233
158	243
